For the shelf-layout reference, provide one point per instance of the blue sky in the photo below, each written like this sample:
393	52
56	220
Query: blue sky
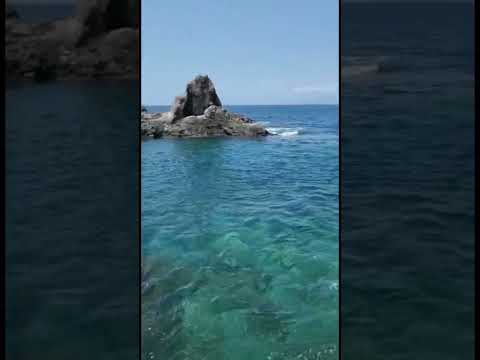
256	52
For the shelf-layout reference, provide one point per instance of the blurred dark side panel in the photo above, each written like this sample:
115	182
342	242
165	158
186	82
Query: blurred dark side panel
72	182
407	180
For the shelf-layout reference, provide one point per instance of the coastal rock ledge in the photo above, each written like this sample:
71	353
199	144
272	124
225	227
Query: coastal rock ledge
198	114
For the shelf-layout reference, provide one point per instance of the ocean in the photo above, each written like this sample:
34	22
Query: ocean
407	189
72	220
240	240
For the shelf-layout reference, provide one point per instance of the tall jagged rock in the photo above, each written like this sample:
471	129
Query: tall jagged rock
200	94
100	16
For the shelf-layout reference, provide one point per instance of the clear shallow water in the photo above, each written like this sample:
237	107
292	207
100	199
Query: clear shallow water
240	241
407	271
71	237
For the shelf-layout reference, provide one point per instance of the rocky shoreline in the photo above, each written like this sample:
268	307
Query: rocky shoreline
100	41
198	114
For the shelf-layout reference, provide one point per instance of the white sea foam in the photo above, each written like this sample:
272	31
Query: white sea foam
333	286
284	131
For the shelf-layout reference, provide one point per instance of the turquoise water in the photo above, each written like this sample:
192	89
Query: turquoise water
240	241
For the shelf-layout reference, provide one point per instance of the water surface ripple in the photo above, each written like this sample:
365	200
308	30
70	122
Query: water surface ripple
240	241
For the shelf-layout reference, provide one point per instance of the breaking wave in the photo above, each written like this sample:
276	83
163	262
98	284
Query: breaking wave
285	131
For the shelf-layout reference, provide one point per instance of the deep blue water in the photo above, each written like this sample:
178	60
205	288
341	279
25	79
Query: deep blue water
240	240
72	217
407	190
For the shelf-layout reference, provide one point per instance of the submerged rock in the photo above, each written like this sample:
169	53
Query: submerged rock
268	319
199	114
232	251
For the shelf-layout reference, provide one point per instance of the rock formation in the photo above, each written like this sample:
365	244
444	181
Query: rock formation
198	114
200	95
101	16
100	41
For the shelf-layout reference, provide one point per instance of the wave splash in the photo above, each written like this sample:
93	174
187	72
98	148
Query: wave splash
285	131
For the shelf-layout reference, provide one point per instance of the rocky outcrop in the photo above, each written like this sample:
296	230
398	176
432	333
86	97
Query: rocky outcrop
200	94
101	16
100	41
209	120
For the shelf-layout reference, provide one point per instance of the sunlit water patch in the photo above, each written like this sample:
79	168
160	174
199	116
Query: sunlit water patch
240	241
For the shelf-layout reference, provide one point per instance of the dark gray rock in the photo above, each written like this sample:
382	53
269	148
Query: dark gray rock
213	121
44	71
177	108
33	50
200	94
158	132
100	16
216	122
120	47
122	39
213	112
68	32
